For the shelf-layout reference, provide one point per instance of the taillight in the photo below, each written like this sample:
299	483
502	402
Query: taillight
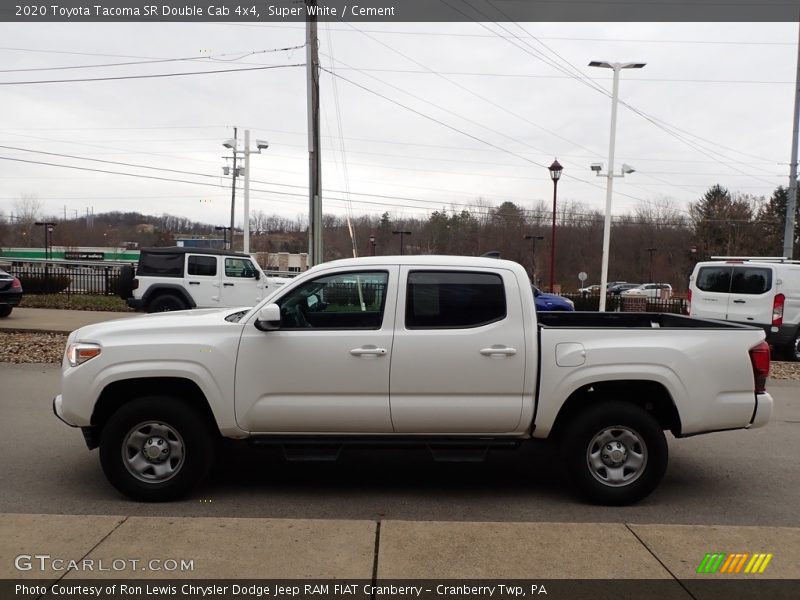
689	302
135	284
16	284
777	310
759	359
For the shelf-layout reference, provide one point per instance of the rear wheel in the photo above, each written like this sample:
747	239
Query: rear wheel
5	310
156	448
792	351
166	303
615	452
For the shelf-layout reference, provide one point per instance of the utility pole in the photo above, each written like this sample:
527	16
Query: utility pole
233	188
314	168
791	204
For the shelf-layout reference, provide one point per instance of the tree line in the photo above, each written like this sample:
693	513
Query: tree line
657	241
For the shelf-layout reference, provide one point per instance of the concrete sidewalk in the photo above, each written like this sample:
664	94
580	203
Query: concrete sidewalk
320	549
53	320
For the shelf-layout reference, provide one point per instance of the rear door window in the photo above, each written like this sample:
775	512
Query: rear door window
453	300
202	265
715	279
751	280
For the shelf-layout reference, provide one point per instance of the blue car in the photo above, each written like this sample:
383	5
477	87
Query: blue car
551	301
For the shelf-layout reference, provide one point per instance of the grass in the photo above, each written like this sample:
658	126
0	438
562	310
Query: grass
75	302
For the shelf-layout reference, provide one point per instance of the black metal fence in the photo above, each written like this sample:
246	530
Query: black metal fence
68	279
615	302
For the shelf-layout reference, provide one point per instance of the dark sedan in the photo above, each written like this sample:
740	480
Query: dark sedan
10	293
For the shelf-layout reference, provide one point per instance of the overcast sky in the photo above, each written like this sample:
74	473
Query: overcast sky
723	91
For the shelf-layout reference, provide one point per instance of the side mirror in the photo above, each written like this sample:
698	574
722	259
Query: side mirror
269	318
257	275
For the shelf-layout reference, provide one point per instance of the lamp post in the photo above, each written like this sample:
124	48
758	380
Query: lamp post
533	239
48	240
48	236
651	251
401	234
555	174
617	67
233	145
372	245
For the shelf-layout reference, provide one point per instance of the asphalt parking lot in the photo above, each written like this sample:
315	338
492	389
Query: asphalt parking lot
729	478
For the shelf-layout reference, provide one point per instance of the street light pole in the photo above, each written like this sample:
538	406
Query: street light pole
224	231
372	245
401	234
533	239
555	174
617	67
651	251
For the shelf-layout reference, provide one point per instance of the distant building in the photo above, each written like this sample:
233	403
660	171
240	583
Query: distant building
282	261
199	241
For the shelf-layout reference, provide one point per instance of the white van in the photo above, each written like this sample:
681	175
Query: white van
754	291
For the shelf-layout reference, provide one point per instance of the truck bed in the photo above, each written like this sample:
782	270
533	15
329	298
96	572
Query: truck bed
623	320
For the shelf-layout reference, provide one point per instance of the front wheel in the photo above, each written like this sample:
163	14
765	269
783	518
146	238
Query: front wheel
156	448
615	452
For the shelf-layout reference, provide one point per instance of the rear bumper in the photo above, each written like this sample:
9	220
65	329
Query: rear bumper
762	412
10	299
135	303
785	335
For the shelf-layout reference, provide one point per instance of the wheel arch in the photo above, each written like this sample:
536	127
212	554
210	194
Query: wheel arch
120	392
651	396
154	291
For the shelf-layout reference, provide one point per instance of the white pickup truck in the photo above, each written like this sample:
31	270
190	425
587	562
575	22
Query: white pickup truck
443	352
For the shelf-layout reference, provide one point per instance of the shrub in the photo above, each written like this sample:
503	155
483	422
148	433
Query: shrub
44	284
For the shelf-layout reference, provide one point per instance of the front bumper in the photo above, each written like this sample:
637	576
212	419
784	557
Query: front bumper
762	412
90	434
57	410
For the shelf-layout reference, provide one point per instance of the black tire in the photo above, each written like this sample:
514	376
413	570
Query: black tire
125	282
166	303
5	310
147	421
637	453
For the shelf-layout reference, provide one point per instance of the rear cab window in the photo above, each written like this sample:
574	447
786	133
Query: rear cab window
454	299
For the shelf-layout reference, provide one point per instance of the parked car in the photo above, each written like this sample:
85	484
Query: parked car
178	278
618	288
592	289
473	367
652	291
546	301
762	292
10	293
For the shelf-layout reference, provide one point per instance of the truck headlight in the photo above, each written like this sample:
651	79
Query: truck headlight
79	352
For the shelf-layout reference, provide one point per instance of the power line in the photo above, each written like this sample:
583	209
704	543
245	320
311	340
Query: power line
153	76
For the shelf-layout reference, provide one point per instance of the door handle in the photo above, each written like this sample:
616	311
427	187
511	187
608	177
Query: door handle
368	351
227	284
498	350
739	301
194	283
